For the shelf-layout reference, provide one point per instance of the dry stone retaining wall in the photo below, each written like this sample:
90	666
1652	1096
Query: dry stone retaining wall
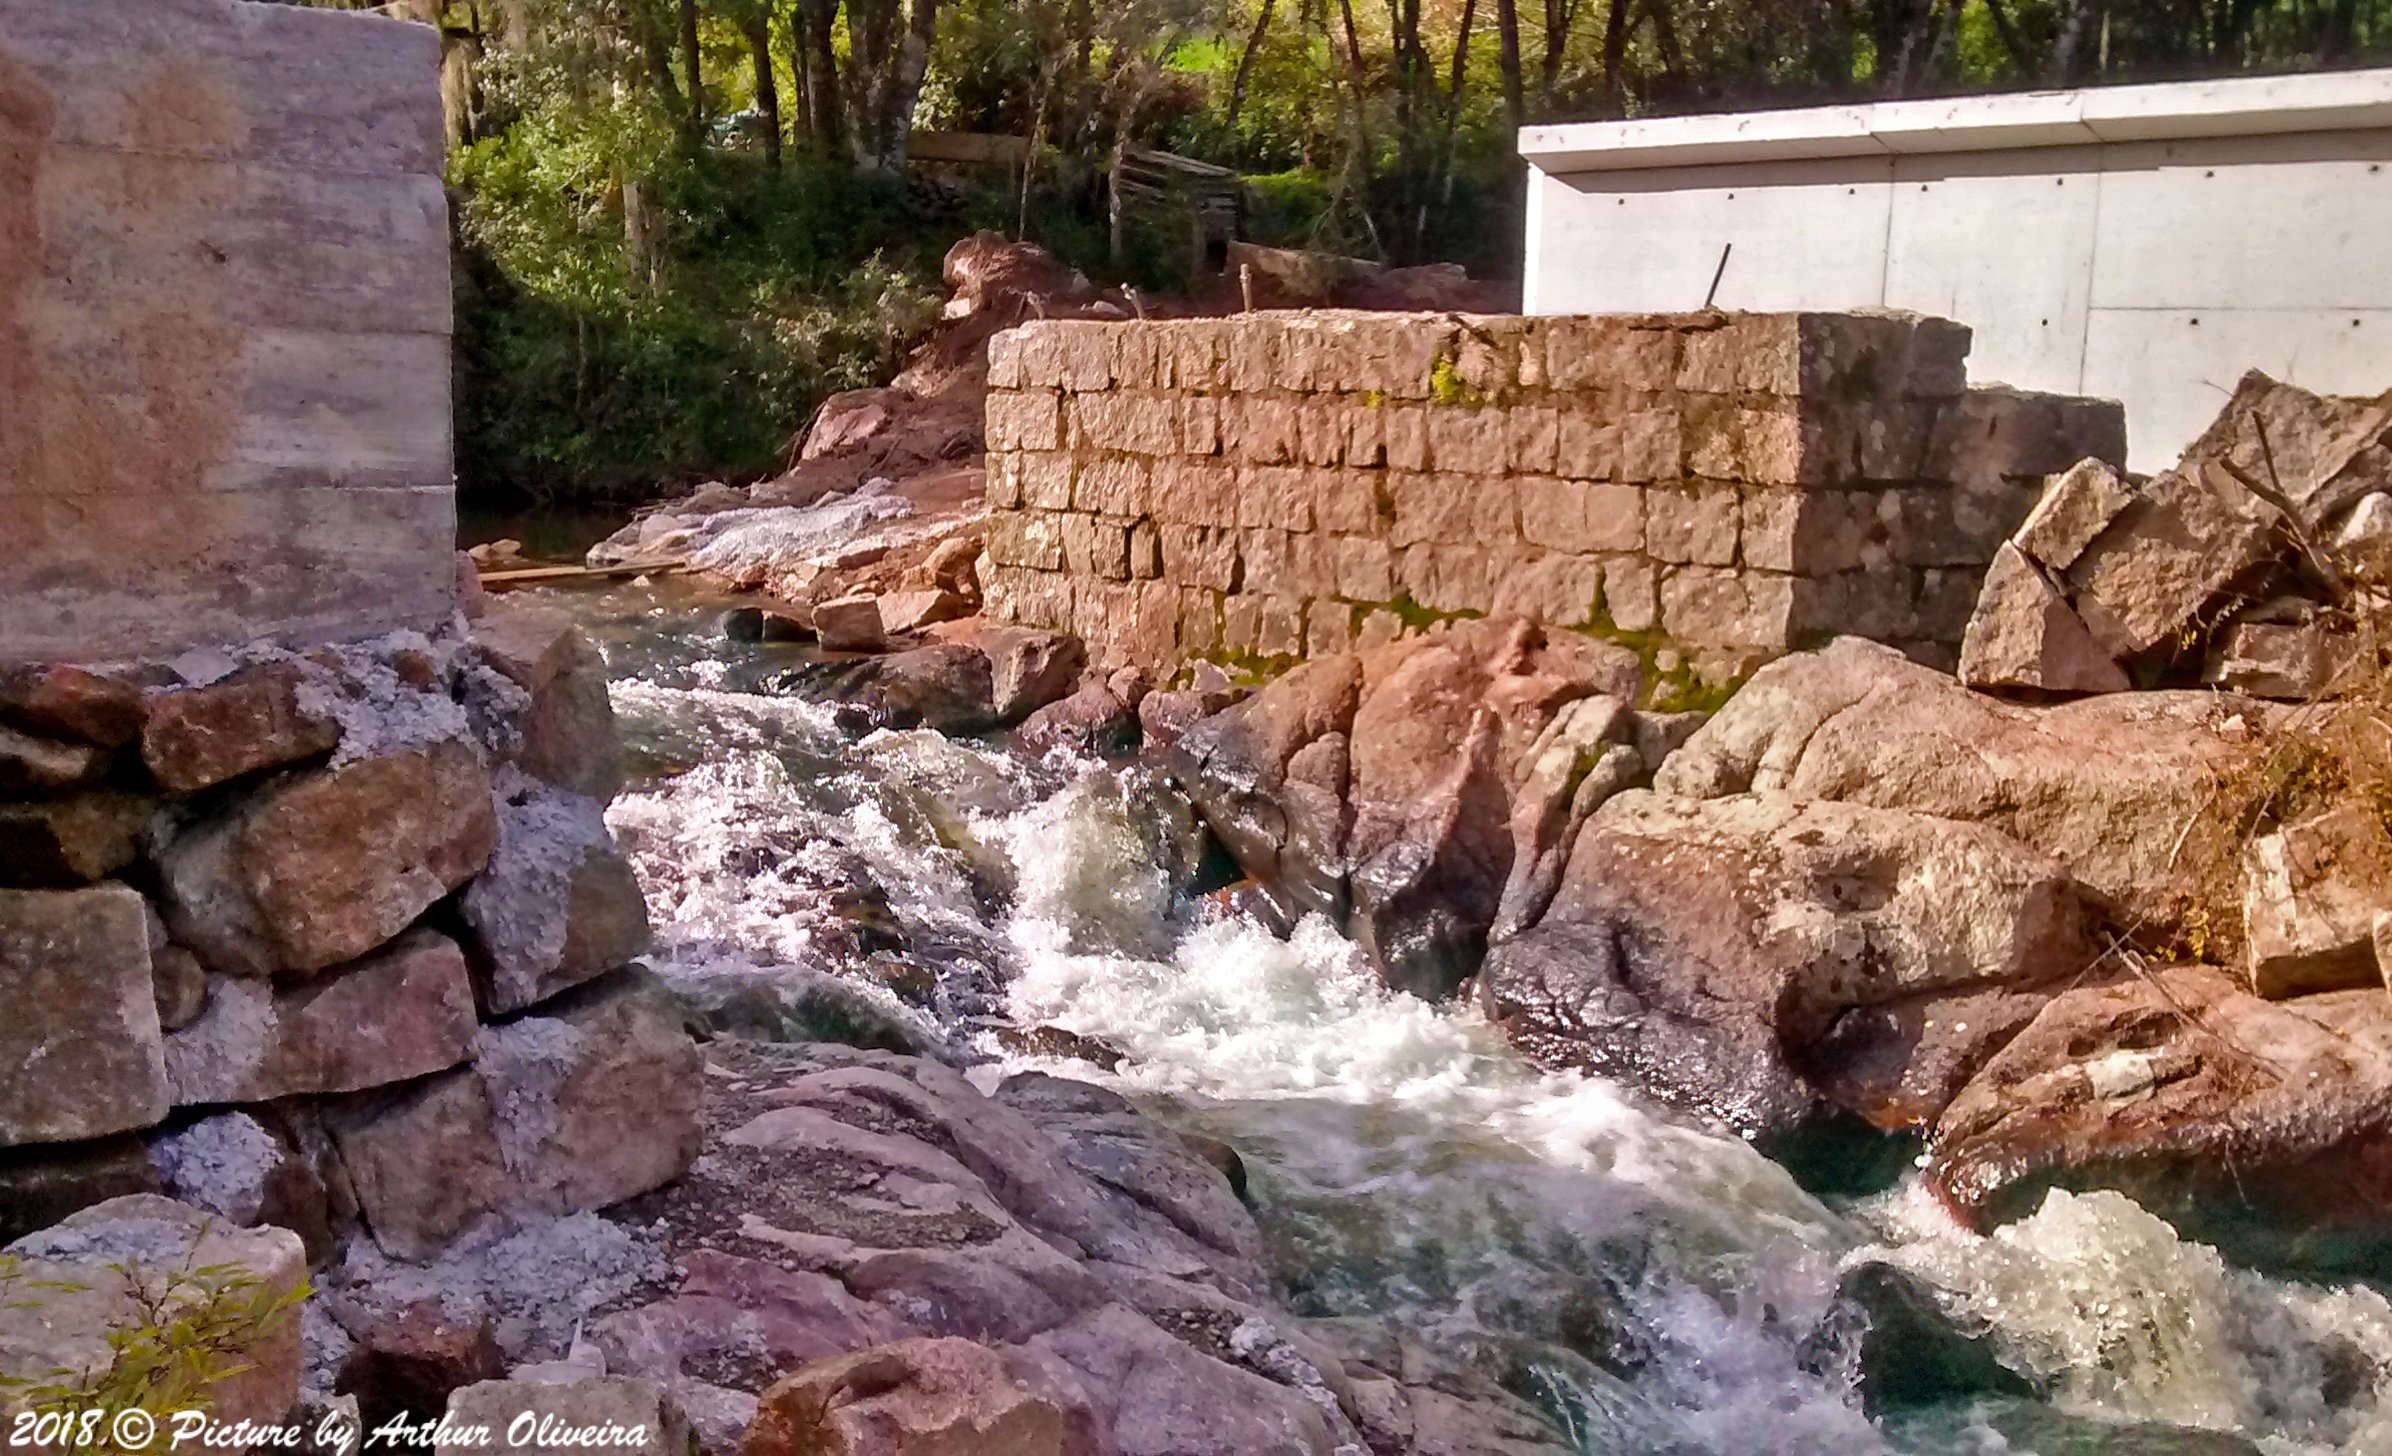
1722	487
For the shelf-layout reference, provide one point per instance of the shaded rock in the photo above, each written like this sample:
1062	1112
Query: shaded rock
80	1051
31	764
48	1328
1028	667
953	566
1154	1396
2294	661
557	904
254	719
920	1396
2311	894
944	686
1910	1352
58	700
849	418
1575	766
1092	720
1054	1041
566	729
2105	785
399	1013
408	1362
2256	1125
181	986
2024	635
568	1418
233	1167
325	865
1711	950
911	611
583	1103
850	624
44	1182
54	843
743	1317
1655	736
2076	506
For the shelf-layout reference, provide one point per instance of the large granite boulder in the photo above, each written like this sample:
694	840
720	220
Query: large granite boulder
2104	785
1395	790
80	1051
556	906
584	1102
323	866
1758	959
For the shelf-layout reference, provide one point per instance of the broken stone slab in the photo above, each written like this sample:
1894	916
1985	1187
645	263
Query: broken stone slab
2024	635
398	1013
921	1395
58	700
2076	506
80	1051
1029	667
565	1418
57	843
192	738
2189	536
100	1252
582	1103
32	764
911	611
567	729
850	624
2290	661
2311	893
324	865
2324	452
556	906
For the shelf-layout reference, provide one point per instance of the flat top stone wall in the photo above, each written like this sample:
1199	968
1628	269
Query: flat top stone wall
224	326
1712	488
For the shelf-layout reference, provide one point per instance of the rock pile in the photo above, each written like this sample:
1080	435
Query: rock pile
329	937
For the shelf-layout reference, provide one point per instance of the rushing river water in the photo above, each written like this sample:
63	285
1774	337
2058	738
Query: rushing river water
1655	1286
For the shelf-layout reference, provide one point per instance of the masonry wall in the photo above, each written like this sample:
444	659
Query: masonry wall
1721	488
224	324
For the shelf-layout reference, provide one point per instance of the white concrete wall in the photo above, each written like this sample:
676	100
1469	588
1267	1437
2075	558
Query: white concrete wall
2146	244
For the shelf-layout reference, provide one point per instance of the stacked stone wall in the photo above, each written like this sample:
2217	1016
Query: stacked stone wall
1720	488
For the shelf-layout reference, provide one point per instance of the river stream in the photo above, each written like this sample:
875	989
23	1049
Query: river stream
1655	1286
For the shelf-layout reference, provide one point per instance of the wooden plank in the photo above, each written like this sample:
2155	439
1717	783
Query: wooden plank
541	575
230	81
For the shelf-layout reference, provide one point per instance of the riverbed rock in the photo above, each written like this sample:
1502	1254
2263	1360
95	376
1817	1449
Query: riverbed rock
2311	893
568	1418
850	624
55	843
586	1101
326	864
918	1396
1092	720
78	1286
944	686
80	1051
903	612
2105	785
253	719
1155	1396
557	904
2246	1122
2025	635
566	730
1379	788
1029	667
398	1013
1710	951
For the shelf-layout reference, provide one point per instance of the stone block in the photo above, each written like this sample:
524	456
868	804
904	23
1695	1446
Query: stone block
557	905
56	700
1879	602
58	843
565	734
2024	635
1770	538
1275	496
1260	429
328	864
1650	445
1146	550
1345	500
402	1012
566	1418
1453	578
1997	433
1084	355
1005	361
1405	432
1604	353
2179	545
2311	893
1696	525
1712	606
1194	492
1024	419
1366	434
2294	661
1561	591
2075	506
192	738
1631	592
1095	546
1043	479
1135	358
1532	438
1203	556
1363	569
850	624
1137	423
1587	447
1942	525
1328	628
1580	516
1322	431
1438	509
1022	538
1113	485
43	1183
1199	622
1200	424
1296	565
1467	441
80	1052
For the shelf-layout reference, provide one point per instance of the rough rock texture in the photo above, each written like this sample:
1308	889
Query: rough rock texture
73	840
44	1329
329	863
568	1418
2076	506
32	764
2104	785
850	624
1713	952
583	1103
567	728
2295	661
410	1361
395	1014
2311	893
43	1183
2201	1100
80	1051
919	1396
2025	635
557	904
1381	788
63	701
194	737
1094	719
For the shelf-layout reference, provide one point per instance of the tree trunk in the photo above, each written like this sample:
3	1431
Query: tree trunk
1245	72
1615	55
768	88
1507	32
693	78
817	21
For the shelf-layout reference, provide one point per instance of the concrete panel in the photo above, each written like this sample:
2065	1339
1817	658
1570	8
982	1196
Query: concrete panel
2025	299
1650	241
2173	368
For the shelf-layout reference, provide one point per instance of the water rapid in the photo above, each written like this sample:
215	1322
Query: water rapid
1654	1285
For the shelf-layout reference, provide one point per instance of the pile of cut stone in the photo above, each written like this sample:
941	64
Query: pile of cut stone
2243	566
329	938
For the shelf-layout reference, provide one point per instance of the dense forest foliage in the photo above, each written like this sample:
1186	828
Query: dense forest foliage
680	223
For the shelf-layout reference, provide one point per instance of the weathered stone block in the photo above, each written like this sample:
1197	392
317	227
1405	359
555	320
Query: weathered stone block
1345	500
1113	485
2311	894
1692	525
192	738
1580	516
1199	556
1444	509
1562	591
1467	441
1296	565
1024	419
566	732
1194	492
1042	480
1026	539
1532	438
1717	607
1998	433
57	843
1138	423
1587	447
2076	505
1631	592
1095	546
56	700
80	1054
1146	550
1649	445
1200	425
1405	434
1583	353
2295	661
1276	496
2024	635
1260	429
547	1418
1363	569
